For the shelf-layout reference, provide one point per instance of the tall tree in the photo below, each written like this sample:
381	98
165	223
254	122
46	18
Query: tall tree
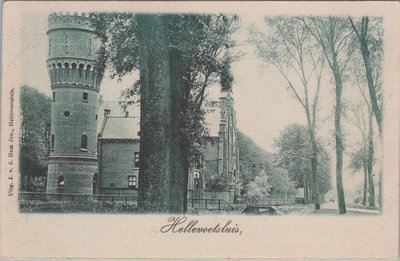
370	38
292	50
335	36
369	32
155	146
363	120
363	157
197	57
35	133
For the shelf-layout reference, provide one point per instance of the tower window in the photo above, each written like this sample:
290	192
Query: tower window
81	66
87	71
132	181
52	141
85	97
84	142
67	113
60	181
66	66
137	159
127	114
54	96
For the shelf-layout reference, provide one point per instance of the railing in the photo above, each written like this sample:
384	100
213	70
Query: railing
275	202
110	200
209	204
41	196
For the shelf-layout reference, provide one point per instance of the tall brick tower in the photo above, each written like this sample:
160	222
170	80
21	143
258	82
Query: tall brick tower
75	84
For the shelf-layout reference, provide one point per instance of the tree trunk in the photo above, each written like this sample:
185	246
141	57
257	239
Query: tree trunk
178	151
338	138
370	162
364	199
155	124
314	161
368	72
309	190
305	189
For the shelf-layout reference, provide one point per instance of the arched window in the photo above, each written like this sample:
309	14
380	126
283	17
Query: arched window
87	71
84	142
59	73
60	181
73	71
52	141
66	66
81	66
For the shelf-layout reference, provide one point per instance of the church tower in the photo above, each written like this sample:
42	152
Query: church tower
75	84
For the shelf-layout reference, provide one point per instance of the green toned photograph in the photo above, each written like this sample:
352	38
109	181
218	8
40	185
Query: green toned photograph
202	114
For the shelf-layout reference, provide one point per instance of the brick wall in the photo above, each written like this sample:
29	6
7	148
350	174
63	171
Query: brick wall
116	163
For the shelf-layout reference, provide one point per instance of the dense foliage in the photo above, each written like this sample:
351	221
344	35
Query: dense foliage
35	131
202	40
293	154
259	177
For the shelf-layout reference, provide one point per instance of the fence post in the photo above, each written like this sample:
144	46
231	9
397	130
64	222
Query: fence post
219	205
206	204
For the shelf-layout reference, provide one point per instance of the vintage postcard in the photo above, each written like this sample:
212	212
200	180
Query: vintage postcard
200	129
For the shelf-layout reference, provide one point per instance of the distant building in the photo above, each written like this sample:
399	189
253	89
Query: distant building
222	150
119	144
118	151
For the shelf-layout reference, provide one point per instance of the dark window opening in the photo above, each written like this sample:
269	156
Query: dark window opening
66	65
52	141
132	181
60	181
54	96
85	97
81	66
87	71
96	116
137	159
84	142
127	114
67	113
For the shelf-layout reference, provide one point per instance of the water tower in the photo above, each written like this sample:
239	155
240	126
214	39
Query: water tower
75	85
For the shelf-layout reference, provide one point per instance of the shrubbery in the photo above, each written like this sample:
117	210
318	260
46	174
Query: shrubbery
35	206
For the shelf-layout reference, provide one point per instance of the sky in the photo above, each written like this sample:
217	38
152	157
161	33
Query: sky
264	106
